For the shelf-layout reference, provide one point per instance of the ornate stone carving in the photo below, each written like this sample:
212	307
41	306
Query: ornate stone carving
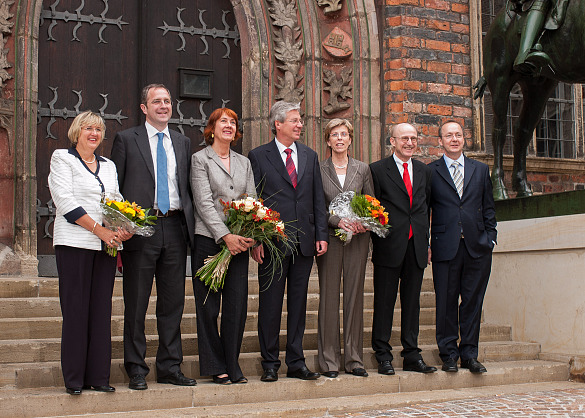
338	43
338	87
5	29
288	49
331	6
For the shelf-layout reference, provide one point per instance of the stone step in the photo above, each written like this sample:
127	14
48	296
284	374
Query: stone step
50	307
48	349
208	397
44	374
26	287
50	327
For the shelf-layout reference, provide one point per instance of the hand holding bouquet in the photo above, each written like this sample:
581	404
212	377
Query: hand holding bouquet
130	217
363	209
249	218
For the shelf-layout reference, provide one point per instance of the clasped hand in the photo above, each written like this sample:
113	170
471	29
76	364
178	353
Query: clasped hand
238	244
351	226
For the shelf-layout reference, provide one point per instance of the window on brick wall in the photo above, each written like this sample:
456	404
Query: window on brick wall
555	134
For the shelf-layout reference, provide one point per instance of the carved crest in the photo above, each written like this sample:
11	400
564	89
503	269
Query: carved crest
338	43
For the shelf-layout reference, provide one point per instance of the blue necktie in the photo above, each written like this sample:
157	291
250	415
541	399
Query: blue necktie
162	193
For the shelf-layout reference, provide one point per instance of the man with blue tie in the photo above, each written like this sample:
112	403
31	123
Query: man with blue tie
153	171
463	235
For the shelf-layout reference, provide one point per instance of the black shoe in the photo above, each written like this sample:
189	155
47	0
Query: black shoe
418	366
222	380
330	374
74	391
104	388
303	373
269	375
137	382
450	365
240	381
473	365
385	367
359	371
177	378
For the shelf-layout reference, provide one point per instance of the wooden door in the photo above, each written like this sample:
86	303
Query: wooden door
98	54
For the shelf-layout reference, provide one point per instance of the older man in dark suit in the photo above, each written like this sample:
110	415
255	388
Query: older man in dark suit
403	187
153	171
288	176
463	235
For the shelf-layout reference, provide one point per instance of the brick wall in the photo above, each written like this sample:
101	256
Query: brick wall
426	67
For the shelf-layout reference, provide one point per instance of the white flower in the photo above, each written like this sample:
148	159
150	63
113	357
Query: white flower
280	225
249	204
261	212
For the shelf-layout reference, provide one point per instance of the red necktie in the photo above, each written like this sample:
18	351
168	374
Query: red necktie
408	184
290	167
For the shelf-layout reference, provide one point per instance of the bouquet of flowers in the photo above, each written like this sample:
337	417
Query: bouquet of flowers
247	217
118	213
361	208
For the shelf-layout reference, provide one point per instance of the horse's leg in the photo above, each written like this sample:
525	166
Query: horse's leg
500	90
535	92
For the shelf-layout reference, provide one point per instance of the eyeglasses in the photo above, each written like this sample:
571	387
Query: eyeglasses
405	139
296	121
158	102
451	136
92	129
339	135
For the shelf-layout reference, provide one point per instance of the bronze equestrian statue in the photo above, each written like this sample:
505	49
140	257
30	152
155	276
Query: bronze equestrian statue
535	43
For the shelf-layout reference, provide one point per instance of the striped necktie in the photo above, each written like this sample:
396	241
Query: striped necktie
457	178
290	167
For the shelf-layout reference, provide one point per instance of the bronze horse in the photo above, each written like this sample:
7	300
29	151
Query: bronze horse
565	47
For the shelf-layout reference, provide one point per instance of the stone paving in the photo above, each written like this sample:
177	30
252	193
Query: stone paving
553	403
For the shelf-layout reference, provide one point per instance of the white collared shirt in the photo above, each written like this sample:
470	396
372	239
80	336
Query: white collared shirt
174	198
400	165
294	155
460	160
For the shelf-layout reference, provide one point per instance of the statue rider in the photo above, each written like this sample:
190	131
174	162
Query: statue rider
531	57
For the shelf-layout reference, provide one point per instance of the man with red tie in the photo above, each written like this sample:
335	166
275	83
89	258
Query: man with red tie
402	185
288	177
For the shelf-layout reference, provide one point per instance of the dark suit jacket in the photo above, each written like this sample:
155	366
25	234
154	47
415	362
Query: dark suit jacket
390	190
474	213
136	173
303	208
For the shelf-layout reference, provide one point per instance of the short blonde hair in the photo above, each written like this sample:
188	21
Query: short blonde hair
334	123
87	118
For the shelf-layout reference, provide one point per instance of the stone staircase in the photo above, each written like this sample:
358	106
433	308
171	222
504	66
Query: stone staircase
31	383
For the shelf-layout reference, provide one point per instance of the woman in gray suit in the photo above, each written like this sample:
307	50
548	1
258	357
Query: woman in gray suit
217	173
342	173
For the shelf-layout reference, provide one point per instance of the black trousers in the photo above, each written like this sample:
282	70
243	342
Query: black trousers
386	281
86	282
219	349
294	274
466	277
163	255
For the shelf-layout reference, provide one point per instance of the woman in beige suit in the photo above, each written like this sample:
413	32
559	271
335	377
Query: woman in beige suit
217	173
342	173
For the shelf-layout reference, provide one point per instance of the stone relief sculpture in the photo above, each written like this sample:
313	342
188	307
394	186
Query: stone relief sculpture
5	29
288	49
338	87
331	6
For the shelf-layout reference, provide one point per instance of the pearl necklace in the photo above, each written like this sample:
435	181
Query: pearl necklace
341	167
223	158
89	162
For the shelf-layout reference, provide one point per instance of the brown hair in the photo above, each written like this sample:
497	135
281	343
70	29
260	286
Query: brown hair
213	118
146	89
334	123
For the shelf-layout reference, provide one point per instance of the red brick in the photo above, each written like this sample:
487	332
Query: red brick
460	8
395	75
439	67
438	45
438	24
463	112
412	85
462	91
460	69
412	107
437	4
439	88
396	107
396	85
460	48
394	21
394	64
439	110
410	21
537	177
412	42
459	28
394	42
412	63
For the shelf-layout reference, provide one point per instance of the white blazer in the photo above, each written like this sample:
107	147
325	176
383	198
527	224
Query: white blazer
76	191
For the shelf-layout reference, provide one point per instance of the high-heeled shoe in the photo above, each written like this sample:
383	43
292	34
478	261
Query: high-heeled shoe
240	381
221	380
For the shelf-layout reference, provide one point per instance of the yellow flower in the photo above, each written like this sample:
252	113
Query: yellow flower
130	211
